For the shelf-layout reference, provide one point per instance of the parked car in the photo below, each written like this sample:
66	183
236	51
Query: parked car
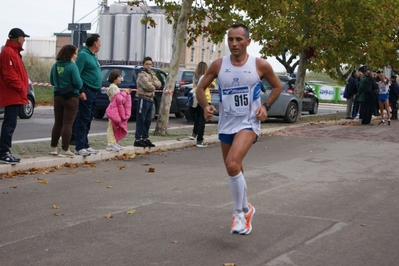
26	110
287	106
129	79
184	77
310	102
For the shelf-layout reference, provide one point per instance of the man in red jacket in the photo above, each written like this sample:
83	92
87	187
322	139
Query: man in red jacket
13	90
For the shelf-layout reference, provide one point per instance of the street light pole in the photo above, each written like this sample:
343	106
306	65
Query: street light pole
73	19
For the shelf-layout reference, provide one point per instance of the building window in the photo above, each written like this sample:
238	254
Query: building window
192	54
202	54
219	53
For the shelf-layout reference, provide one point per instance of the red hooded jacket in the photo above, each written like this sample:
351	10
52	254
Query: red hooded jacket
13	76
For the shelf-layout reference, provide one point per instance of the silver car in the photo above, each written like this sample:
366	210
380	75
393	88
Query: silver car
287	105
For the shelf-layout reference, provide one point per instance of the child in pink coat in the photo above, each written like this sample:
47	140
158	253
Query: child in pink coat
118	111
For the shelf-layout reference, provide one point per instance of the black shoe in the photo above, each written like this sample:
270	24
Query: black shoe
140	143
8	158
349	117
149	143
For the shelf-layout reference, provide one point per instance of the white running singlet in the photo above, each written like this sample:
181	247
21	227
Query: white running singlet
239	96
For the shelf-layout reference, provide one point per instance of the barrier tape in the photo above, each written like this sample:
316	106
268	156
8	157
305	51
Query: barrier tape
46	84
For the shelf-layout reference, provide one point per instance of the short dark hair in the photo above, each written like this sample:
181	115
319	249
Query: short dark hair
115	73
66	52
91	39
147	58
240	25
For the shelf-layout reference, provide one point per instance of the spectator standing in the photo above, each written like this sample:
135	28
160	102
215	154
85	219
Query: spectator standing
14	85
352	91
383	98
147	83
393	96
118	111
199	122
239	78
65	73
367	90
90	72
356	103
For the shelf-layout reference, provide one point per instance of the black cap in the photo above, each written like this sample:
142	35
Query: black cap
16	32
393	75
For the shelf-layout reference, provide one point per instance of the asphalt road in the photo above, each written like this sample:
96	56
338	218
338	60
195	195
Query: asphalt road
324	195
40	124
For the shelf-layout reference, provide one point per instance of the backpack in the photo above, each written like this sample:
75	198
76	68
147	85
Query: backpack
368	84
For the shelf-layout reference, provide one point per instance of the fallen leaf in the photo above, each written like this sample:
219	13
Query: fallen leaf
43	181
55	206
229	264
109	186
121	167
174	241
364	225
151	170
265	147
98	181
108	216
58	214
14	187
5	192
131	211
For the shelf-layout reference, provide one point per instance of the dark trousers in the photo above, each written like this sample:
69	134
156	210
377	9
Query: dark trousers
143	118
355	106
83	119
367	108
199	124
65	111
8	127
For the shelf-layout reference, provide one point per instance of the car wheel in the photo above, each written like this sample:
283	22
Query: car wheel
179	114
26	110
98	114
291	115
315	108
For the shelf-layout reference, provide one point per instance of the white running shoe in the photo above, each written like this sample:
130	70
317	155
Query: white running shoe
66	153
82	152
119	146
91	150
112	147
239	223
54	151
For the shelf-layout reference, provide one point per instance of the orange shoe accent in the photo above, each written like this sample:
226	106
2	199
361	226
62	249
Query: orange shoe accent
248	220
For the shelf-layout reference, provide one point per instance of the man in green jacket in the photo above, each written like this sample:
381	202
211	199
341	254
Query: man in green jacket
90	72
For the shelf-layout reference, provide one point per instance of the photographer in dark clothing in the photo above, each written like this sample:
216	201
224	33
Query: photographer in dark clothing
394	96
368	87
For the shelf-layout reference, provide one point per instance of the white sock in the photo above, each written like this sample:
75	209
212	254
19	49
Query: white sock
238	191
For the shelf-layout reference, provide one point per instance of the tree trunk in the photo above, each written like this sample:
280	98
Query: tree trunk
161	128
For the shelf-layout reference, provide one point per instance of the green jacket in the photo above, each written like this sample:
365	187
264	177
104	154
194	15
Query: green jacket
68	75
89	68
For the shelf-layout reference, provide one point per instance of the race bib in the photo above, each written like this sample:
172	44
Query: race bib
236	100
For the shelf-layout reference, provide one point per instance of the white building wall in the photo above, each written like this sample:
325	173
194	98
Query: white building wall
43	47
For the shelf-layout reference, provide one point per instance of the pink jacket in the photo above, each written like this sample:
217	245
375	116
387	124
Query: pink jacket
119	111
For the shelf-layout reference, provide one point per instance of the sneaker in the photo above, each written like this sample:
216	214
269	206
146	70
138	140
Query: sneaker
149	143
119	146
238	224
248	220
192	136
389	122
54	151
82	152
8	158
381	123
66	153
91	150
201	145
139	143
112	147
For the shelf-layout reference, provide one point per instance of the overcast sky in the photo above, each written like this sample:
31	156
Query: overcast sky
43	18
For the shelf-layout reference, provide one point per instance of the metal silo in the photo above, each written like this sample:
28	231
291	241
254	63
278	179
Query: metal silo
121	37
154	40
117	8
106	30
137	39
